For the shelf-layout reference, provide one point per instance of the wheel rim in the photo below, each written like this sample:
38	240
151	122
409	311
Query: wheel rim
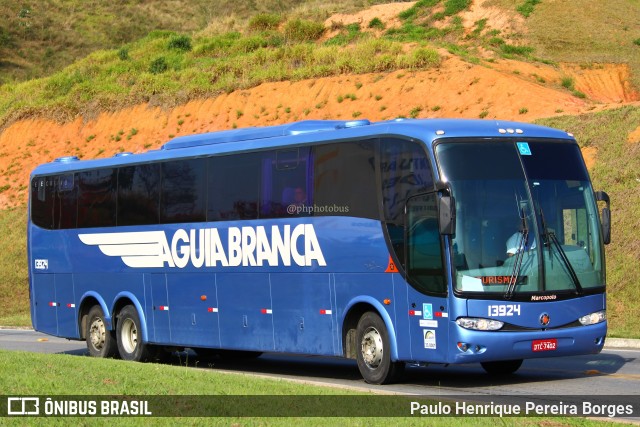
129	336
97	333
372	348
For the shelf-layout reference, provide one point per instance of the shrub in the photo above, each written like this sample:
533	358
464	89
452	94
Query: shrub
376	23
264	21
510	49
299	30
451	7
421	58
180	42
158	65
527	7
123	53
567	83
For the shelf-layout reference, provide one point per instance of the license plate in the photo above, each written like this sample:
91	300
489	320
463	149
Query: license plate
544	345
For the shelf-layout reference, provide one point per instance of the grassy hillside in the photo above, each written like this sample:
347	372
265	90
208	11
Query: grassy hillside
585	32
40	38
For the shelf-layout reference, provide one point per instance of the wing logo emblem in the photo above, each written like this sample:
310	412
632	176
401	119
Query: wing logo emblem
145	249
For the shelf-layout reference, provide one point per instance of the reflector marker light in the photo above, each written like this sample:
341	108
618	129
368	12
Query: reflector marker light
212	309
266	311
53	304
163	308
415	313
71	305
325	311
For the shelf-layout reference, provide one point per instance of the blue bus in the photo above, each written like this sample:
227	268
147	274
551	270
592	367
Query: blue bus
416	241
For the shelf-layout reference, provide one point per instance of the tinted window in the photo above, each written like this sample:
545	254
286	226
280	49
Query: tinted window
183	195
286	188
424	254
54	201
405	171
234	187
139	194
345	180
97	198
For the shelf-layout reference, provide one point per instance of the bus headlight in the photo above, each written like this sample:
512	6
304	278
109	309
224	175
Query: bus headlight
593	318
479	324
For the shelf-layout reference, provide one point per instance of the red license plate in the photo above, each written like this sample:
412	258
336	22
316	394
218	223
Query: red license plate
544	345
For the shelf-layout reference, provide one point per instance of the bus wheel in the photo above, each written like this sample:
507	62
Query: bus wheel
100	341
129	333
502	367
373	355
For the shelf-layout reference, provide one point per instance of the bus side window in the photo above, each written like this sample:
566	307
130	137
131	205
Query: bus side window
183	197
97	198
234	187
344	179
43	201
286	188
405	171
138	194
424	250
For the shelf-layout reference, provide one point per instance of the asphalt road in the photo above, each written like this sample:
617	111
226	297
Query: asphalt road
612	372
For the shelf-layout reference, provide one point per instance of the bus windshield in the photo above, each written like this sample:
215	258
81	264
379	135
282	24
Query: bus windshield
527	221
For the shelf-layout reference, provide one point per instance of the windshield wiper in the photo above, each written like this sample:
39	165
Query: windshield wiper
519	256
549	238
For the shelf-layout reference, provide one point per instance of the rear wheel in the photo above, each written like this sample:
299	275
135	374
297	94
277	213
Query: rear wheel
502	367
129	333
101	341
374	351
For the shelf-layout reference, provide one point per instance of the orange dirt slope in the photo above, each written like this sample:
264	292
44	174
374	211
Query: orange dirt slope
501	89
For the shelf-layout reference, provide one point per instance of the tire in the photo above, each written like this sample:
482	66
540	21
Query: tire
374	351
502	367
129	337
101	342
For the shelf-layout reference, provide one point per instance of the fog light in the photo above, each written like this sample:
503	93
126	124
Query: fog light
463	346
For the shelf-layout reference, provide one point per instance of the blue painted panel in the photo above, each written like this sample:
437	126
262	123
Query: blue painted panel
161	318
428	327
246	319
194	319
303	313
67	310
527	314
43	295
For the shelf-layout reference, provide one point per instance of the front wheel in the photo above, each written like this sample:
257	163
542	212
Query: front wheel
374	351
101	341
129	333
502	367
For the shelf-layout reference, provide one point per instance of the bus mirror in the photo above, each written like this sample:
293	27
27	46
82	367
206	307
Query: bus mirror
606	225
605	216
447	210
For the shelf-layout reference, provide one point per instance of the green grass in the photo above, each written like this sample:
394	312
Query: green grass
215	64
14	286
34	374
599	32
40	38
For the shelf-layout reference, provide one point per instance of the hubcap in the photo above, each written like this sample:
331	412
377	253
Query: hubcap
97	333
129	336
372	348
